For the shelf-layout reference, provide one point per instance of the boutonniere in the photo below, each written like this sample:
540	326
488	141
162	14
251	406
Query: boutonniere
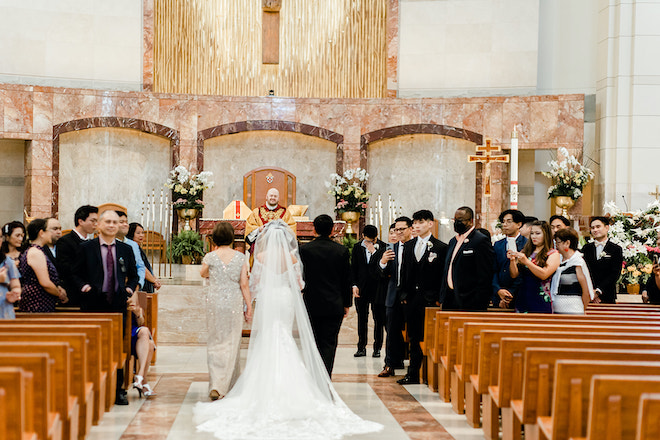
122	264
603	254
429	245
376	246
467	240
432	256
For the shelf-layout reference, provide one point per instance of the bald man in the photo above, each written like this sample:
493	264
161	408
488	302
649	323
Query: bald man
268	212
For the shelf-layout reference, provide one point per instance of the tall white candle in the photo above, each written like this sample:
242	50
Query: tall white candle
514	169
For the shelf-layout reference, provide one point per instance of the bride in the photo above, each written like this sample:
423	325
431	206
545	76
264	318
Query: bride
285	391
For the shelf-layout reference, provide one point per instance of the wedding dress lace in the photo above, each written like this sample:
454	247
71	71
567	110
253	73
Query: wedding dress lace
285	391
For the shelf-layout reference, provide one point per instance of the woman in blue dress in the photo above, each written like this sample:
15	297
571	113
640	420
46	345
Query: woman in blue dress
536	264
10	285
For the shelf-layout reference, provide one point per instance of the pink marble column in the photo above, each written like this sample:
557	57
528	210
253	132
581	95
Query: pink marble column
392	47
148	45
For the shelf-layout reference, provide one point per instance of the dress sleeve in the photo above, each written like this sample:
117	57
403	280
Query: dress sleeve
12	270
207	259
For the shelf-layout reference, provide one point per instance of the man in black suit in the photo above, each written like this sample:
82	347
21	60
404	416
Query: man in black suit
327	292
422	274
107	277
367	289
68	248
469	266
604	260
390	268
53	225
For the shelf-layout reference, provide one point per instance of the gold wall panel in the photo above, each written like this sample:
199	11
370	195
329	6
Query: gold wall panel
327	49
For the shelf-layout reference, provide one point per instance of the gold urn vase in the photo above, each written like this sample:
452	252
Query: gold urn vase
565	203
633	289
187	214
350	217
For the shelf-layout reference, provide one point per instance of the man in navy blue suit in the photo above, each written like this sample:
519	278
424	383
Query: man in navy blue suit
390	267
505	287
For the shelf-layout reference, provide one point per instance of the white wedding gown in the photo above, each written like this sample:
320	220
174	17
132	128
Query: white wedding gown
285	391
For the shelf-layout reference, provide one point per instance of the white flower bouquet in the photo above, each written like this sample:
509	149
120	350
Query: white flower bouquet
188	187
348	190
569	177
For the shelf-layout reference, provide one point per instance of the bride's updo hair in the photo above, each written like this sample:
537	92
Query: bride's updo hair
223	234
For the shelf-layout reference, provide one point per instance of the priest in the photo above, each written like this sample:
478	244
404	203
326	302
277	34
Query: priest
270	211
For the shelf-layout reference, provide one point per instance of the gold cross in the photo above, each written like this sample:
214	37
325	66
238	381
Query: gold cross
656	193
484	155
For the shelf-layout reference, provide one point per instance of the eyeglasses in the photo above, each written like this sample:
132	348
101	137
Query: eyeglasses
401	229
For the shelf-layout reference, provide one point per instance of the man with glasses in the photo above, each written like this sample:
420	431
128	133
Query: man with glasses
390	267
53	225
505	287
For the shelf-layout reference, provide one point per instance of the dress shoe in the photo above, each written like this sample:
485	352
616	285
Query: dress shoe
214	395
121	399
387	372
360	353
376	353
408	380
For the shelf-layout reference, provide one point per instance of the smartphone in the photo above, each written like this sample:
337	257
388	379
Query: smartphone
390	246
511	244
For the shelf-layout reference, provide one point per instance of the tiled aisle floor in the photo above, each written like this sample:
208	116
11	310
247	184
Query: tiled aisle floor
411	412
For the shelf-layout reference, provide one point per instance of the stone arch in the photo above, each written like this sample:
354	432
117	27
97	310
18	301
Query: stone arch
107	122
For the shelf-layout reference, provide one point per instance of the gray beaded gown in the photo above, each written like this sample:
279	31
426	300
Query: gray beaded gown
224	317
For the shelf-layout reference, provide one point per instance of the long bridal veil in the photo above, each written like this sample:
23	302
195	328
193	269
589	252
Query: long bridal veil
285	391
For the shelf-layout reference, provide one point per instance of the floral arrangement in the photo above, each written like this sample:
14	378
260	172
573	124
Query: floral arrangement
569	177
348	190
637	234
188	188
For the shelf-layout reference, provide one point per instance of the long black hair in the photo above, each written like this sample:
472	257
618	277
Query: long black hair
131	230
7	230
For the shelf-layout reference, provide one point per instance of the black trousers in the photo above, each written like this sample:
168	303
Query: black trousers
378	311
394	344
414	311
326	333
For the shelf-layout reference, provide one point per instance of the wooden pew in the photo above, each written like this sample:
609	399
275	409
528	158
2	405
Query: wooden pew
20	405
429	374
96	374
65	403
564	417
3	414
468	357
614	404
47	422
648	422
81	387
108	340
508	385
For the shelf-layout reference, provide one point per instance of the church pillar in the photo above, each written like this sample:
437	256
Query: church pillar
628	90
39	178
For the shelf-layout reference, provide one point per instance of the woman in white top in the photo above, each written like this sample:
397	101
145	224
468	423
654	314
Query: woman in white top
571	284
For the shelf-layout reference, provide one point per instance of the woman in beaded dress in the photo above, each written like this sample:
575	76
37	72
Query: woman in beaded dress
226	294
39	278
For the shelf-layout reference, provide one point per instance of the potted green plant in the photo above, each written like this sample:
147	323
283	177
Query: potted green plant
186	247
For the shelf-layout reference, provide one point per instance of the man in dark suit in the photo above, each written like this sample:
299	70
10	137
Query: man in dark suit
422	274
469	266
505	287
68	248
366	289
53	225
327	292
107	277
604	260
390	269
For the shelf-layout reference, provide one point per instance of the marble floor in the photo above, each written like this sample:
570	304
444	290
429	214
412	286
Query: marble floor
179	378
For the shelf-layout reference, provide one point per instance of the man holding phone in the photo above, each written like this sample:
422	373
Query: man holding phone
505	287
603	259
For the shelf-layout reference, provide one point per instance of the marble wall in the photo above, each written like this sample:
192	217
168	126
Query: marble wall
423	171
230	157
102	165
12	180
456	47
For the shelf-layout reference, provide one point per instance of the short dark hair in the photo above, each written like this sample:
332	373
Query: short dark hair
468	211
423	215
393	226
35	226
403	218
223	234
132	228
323	225
602	219
570	235
517	216
529	220
563	219
370	231
121	214
83	213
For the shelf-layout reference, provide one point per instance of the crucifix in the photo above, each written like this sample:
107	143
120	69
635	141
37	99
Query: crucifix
656	194
484	155
270	36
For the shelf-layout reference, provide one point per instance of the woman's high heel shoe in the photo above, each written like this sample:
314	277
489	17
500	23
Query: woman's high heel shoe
148	392
137	384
